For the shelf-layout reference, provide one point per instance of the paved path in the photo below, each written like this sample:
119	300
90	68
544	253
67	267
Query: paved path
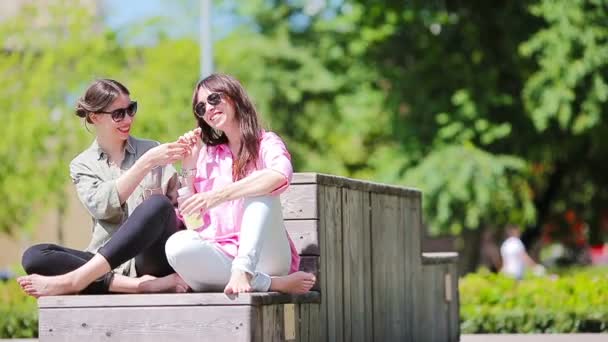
534	337
493	338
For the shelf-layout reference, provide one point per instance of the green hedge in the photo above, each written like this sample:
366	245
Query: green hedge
574	301
18	312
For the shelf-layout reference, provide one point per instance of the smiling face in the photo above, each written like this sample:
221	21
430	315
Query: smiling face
220	116
106	126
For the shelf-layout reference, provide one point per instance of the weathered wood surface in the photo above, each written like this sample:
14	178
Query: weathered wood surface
436	305
453	305
271	322
174	299
391	319
354	184
200	323
361	239
299	202
304	234
330	226
357	265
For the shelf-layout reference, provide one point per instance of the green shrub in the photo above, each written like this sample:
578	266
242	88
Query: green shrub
574	301
18	312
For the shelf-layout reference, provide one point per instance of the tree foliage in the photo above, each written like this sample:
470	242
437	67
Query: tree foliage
495	110
49	54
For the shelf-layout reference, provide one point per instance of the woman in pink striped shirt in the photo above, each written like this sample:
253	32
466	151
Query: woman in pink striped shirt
237	171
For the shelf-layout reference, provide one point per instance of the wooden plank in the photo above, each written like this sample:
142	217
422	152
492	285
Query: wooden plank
417	316
290	328
366	186
357	266
272	298
300	202
304	178
135	324
413	229
442	308
439	258
330	225
354	184
431	307
454	305
416	289
175	299
273	323
423	306
304	234
315	324
304	323
430	282
410	225
390	310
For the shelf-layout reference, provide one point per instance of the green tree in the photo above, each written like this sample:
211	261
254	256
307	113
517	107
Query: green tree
566	98
50	53
446	85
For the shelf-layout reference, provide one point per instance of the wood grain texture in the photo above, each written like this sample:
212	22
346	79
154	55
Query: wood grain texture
454	305
174	300
358	325
304	323
392	319
272	316
304	234
430	307
136	324
290	328
366	186
355	184
330	225
304	178
411	225
299	202
315	333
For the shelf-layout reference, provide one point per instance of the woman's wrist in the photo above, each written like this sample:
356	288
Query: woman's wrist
220	195
145	163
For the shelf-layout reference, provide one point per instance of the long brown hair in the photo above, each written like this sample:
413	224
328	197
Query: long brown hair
245	114
99	95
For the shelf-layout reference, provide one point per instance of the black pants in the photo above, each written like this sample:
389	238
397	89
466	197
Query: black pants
142	236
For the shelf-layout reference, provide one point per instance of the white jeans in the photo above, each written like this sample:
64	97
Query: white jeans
263	252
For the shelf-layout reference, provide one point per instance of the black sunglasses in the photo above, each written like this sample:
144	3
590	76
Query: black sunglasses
119	114
213	99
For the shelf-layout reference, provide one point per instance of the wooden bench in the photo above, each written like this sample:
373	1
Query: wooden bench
363	241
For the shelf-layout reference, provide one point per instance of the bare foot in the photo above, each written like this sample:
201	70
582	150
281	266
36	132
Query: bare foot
239	282
37	286
172	283
295	283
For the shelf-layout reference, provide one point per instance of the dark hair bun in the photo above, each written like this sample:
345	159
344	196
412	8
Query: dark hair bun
81	110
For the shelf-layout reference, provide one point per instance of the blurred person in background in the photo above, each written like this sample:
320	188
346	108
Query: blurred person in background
515	259
131	223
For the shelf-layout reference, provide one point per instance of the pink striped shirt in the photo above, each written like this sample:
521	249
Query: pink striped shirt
222	223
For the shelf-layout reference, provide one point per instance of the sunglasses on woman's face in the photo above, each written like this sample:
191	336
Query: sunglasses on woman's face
119	114
213	99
